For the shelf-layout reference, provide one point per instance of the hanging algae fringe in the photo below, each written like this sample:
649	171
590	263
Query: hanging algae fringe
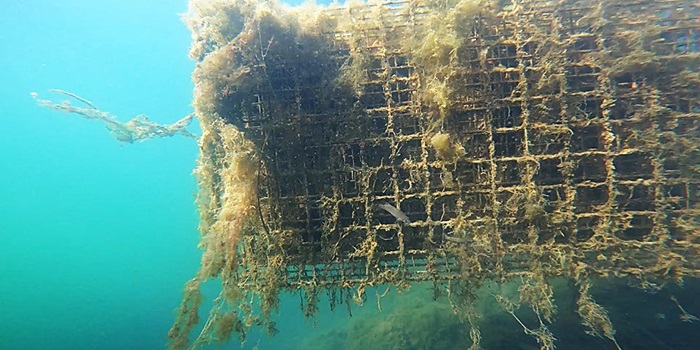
523	139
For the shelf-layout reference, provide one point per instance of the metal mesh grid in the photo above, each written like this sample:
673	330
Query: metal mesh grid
566	144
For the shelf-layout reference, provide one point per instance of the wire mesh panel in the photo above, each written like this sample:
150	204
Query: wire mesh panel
564	118
398	141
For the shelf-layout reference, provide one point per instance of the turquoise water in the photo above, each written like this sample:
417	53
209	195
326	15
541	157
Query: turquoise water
96	237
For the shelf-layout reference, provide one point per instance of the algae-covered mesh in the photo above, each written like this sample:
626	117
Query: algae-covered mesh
450	142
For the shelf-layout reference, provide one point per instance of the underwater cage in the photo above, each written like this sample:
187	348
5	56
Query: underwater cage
452	142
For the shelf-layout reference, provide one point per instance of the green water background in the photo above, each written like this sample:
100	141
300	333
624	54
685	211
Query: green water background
97	238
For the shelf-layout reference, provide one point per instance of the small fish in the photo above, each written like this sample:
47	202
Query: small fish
458	240
395	212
